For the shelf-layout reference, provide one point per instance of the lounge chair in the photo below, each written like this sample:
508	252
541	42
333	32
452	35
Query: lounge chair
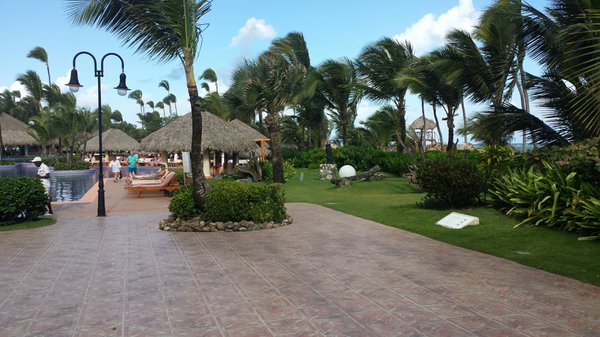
168	184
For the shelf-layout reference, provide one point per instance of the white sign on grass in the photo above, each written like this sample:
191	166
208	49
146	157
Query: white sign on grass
458	220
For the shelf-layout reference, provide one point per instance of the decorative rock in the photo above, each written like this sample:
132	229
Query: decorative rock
206	229
243	229
220	226
244	223
269	226
327	171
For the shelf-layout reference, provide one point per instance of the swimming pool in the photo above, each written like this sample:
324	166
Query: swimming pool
65	185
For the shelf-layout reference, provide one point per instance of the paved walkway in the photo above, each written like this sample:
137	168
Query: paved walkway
327	274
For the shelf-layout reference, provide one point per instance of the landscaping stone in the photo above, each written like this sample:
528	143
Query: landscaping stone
174	224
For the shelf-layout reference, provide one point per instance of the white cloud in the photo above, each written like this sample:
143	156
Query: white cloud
429	32
254	29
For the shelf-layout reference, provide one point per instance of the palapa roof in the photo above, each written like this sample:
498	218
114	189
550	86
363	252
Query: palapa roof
247	134
113	140
15	132
245	131
177	136
418	124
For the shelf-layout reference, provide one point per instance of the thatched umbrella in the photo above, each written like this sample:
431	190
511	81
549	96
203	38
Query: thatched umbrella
113	140
15	132
418	124
176	136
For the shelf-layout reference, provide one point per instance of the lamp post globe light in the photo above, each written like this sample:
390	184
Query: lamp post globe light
121	90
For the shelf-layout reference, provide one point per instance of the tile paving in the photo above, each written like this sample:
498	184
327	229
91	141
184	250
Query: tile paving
327	274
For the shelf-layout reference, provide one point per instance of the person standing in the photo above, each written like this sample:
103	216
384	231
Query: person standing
132	161
43	173
115	167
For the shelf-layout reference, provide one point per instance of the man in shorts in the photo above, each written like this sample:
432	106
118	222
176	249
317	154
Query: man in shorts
132	161
43	173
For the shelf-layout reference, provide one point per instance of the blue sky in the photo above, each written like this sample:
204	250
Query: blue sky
237	29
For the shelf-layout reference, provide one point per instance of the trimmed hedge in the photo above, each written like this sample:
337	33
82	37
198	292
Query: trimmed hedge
364	158
23	199
449	183
236	201
182	203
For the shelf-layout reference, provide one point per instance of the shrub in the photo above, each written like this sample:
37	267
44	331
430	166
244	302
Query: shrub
449	183
267	171
549	198
22	199
583	158
235	201
179	175
7	162
182	203
74	165
289	171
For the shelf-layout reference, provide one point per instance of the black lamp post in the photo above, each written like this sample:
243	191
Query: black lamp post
121	89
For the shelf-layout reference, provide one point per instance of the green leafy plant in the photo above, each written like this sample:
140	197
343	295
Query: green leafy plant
548	198
267	171
449	183
236	201
7	162
289	171
74	165
182	203
22	199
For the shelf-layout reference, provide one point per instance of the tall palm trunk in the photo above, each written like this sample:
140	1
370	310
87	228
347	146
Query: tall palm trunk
273	124
464	113
201	187
421	147
450	124
401	107
437	125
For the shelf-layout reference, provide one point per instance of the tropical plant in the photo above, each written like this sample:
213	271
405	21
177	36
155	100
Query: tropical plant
211	76
164	30
343	92
41	55
167	100
379	64
33	84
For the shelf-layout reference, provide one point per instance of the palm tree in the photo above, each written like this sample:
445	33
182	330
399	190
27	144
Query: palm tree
173	100
342	92
31	81
160	105
88	124
137	95
379	64
164	30
210	75
167	100
151	105
42	130
384	125
41	55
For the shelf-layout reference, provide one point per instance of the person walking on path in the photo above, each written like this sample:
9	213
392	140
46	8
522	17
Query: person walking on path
43	173
132	167
115	167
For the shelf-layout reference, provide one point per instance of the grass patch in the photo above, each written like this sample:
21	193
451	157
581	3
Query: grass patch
41	222
392	202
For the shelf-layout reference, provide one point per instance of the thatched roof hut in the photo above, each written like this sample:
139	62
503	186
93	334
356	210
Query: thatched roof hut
113	140
177	136
15	132
245	131
418	124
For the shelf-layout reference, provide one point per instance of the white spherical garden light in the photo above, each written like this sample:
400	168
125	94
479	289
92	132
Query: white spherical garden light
347	171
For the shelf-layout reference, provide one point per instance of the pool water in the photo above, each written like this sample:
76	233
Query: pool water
65	185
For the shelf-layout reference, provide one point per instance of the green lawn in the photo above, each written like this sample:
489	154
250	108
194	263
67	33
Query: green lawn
392	202
41	222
